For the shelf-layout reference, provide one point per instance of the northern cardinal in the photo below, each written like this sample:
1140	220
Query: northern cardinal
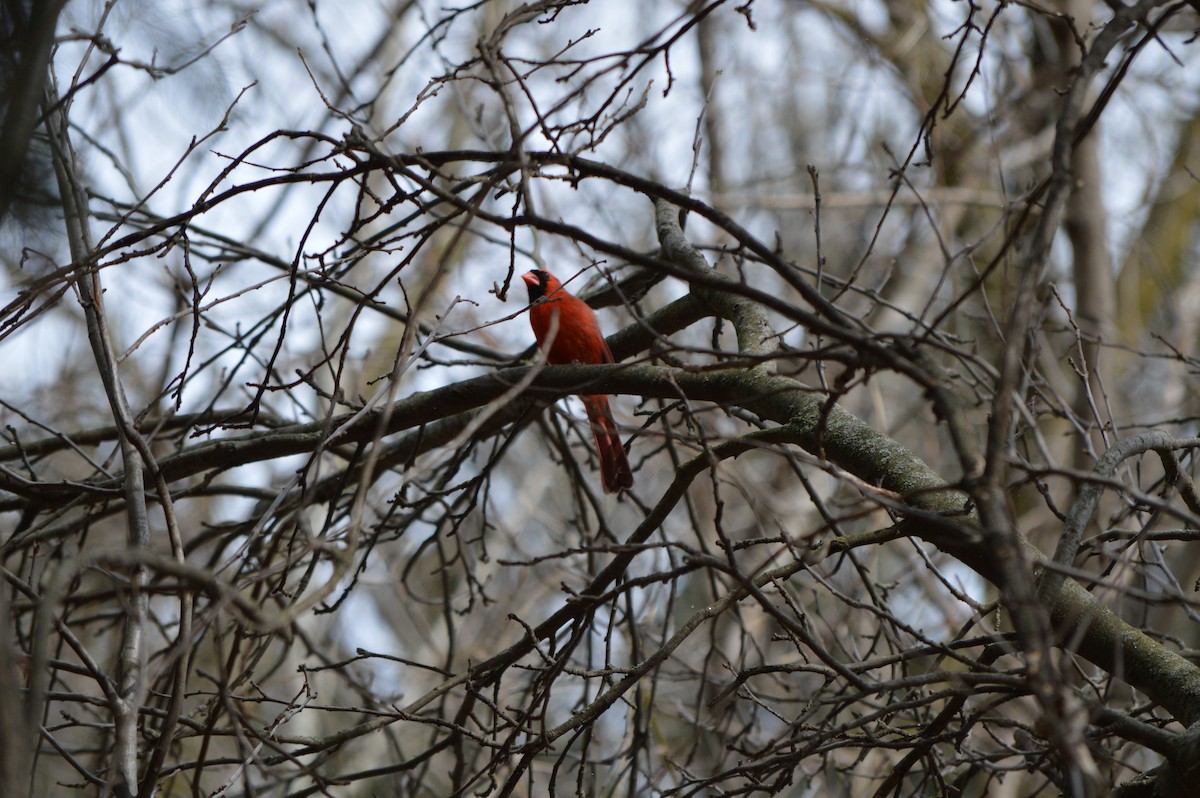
567	331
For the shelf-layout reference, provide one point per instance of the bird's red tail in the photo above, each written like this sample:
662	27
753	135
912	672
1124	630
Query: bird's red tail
614	465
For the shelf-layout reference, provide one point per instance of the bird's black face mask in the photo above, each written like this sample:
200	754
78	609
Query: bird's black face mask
537	290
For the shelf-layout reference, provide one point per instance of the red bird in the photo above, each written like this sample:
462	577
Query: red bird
567	331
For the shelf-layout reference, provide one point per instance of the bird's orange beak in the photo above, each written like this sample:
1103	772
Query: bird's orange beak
530	278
